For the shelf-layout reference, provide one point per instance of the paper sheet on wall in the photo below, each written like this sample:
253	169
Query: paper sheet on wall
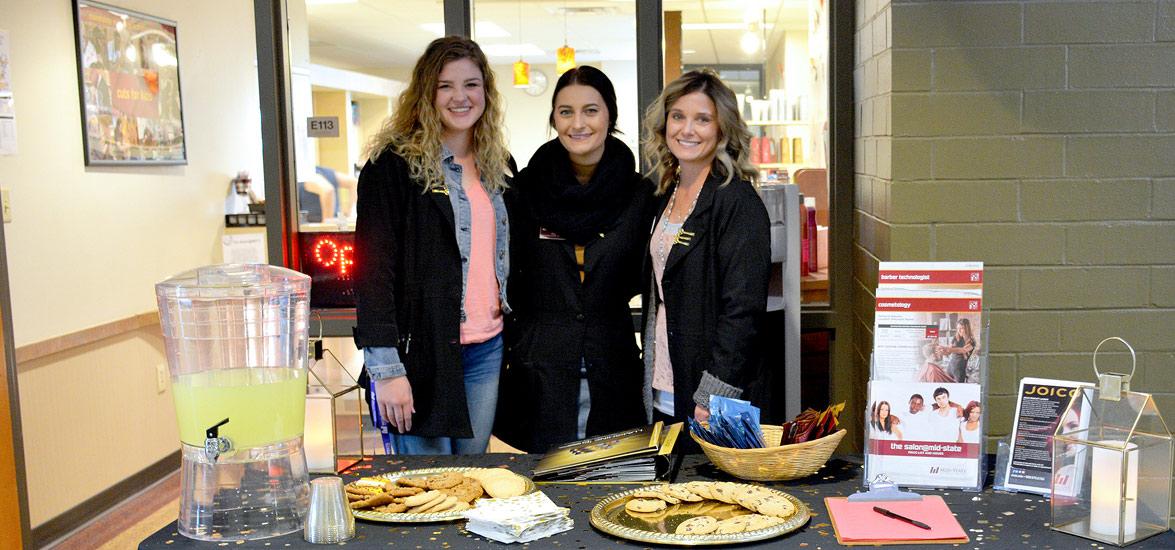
247	248
7	125
7	103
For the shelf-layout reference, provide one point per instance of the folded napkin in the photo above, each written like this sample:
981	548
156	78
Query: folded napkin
518	519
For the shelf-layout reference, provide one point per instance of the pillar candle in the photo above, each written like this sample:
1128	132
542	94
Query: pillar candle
1106	491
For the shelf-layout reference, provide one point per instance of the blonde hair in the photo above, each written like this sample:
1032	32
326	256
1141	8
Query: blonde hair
414	131
731	158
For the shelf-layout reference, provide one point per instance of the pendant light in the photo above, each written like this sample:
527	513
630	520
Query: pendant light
565	56
521	68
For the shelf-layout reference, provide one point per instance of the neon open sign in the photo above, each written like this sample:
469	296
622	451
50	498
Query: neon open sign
334	255
329	259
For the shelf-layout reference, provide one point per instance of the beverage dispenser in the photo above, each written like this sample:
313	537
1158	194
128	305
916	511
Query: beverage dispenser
236	343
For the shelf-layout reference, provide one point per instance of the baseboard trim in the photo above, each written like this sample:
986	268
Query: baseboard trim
100	503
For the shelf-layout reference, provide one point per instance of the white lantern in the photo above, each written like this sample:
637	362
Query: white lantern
334	417
1112	469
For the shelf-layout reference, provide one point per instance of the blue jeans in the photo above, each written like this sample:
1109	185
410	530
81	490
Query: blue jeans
482	364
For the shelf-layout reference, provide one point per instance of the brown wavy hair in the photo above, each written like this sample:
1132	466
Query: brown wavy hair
732	155
414	131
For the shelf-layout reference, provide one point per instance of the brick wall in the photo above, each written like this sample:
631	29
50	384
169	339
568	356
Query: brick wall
1038	137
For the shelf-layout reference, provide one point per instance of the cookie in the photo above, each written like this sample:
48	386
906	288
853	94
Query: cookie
399	491
445	480
460	506
737	524
363	490
375	500
656	493
747	495
393	508
443	505
700	488
468	491
645	505
423	498
421	482
504	486
725	492
429	505
681	493
759	521
775	506
700	525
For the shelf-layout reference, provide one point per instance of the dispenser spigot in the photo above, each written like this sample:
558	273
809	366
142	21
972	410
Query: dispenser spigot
214	445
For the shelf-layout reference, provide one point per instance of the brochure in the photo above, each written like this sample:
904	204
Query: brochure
637	455
925	434
927	335
1039	405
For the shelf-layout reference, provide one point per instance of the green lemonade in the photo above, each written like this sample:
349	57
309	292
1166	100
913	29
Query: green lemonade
263	405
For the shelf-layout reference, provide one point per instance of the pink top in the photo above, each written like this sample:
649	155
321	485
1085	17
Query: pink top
662	243
483	313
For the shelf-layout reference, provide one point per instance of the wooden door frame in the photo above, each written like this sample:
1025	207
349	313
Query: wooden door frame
15	531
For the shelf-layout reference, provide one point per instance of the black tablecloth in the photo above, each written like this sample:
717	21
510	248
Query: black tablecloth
991	519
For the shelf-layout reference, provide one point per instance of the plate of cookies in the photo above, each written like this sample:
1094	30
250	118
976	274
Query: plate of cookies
430	494
699	513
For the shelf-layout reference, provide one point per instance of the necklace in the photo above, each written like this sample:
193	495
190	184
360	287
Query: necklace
661	249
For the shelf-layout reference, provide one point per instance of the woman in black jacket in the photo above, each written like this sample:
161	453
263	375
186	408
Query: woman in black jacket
579	215
710	254
431	261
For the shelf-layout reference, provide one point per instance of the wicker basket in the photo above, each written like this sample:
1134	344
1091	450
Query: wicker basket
773	462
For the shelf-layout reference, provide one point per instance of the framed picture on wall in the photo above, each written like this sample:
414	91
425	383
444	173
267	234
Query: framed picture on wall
129	87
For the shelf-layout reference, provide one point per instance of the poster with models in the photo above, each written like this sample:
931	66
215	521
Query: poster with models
129	85
925	434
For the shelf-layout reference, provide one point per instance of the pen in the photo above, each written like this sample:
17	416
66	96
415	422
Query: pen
913	522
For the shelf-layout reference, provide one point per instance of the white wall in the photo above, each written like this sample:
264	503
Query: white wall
86	245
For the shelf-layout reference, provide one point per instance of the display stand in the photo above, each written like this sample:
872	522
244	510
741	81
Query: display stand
981	358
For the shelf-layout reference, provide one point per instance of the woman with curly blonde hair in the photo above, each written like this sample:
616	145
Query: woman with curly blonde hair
710	253
431	242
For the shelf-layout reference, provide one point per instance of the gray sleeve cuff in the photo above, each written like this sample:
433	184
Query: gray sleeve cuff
383	363
711	385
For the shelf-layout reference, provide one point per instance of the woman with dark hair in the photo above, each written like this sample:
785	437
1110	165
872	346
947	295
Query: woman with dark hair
882	424
579	214
710	254
430	255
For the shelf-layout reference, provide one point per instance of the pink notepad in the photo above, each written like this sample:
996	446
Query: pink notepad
857	523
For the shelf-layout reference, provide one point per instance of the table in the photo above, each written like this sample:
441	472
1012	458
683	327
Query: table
991	519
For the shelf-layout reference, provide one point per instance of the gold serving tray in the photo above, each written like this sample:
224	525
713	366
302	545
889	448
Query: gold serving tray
610	516
384	517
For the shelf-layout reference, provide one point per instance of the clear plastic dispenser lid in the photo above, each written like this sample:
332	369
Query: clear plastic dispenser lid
233	281
234	316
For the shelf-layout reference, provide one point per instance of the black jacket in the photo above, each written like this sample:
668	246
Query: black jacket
558	320
408	290
716	296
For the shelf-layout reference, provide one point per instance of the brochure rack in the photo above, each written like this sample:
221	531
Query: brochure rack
927	462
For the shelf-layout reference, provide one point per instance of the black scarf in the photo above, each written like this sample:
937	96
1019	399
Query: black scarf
575	211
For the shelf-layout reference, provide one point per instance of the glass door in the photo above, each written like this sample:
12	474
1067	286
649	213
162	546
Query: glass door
774	55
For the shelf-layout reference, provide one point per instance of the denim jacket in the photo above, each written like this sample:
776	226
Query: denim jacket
385	362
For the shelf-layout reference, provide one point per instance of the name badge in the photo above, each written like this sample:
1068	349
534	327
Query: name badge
548	235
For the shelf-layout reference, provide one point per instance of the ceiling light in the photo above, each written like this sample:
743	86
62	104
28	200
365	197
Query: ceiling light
483	29
688	52
719	26
749	43
521	74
